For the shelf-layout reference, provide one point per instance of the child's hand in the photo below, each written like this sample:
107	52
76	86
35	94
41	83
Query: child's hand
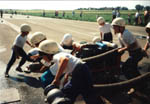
56	82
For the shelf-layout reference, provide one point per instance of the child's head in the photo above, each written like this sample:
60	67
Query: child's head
67	40
48	48
25	29
101	21
118	25
37	38
147	29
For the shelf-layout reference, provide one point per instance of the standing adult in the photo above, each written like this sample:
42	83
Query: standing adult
1	11
113	14
146	16
137	16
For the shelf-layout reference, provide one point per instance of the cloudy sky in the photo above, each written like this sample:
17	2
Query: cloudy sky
69	5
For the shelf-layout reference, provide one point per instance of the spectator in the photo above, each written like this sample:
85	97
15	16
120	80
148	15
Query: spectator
137	15
56	13
146	16
81	13
1	11
129	18
43	13
63	14
118	13
73	13
113	14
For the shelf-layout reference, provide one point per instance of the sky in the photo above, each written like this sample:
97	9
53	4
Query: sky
70	5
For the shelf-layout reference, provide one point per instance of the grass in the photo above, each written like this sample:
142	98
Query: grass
88	15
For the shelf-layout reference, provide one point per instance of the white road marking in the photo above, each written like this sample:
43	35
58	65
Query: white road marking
13	26
2	49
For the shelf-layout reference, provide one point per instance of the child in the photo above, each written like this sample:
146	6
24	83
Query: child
105	30
17	49
35	40
130	44
68	43
81	81
147	45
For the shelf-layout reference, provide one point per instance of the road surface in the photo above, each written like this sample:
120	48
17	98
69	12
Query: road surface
28	85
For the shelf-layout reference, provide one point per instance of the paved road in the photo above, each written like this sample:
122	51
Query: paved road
28	86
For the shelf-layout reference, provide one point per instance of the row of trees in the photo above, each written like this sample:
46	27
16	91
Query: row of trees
137	7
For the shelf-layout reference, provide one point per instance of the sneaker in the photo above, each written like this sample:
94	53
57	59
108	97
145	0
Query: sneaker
6	75
19	69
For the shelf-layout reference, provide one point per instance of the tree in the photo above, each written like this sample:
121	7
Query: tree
147	7
139	7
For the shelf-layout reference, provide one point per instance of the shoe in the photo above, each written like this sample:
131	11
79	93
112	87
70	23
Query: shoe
6	75
19	69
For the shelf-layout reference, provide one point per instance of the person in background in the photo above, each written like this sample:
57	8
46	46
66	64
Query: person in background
113	14
105	30
129	18
146	16
137	16
17	49
118	13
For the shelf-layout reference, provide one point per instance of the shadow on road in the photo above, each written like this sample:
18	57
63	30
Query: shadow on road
31	81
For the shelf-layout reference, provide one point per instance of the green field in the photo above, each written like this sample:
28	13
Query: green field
88	15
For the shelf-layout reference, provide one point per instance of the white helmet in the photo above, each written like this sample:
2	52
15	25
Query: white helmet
67	40
96	39
25	28
100	20
49	47
37	37
148	25
118	22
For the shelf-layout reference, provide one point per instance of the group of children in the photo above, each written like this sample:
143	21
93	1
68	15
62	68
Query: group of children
55	62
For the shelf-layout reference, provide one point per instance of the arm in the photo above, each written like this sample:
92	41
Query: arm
62	65
146	46
29	44
101	36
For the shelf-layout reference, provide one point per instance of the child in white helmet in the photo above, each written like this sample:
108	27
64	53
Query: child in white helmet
81	80
35	40
147	45
105	30
17	49
68	43
128	43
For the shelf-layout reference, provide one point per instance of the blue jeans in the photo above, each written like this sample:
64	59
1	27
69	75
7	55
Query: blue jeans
12	60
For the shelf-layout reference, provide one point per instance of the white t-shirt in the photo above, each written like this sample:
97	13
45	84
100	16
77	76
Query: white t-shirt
137	14
113	12
20	41
33	51
127	39
73	61
105	29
